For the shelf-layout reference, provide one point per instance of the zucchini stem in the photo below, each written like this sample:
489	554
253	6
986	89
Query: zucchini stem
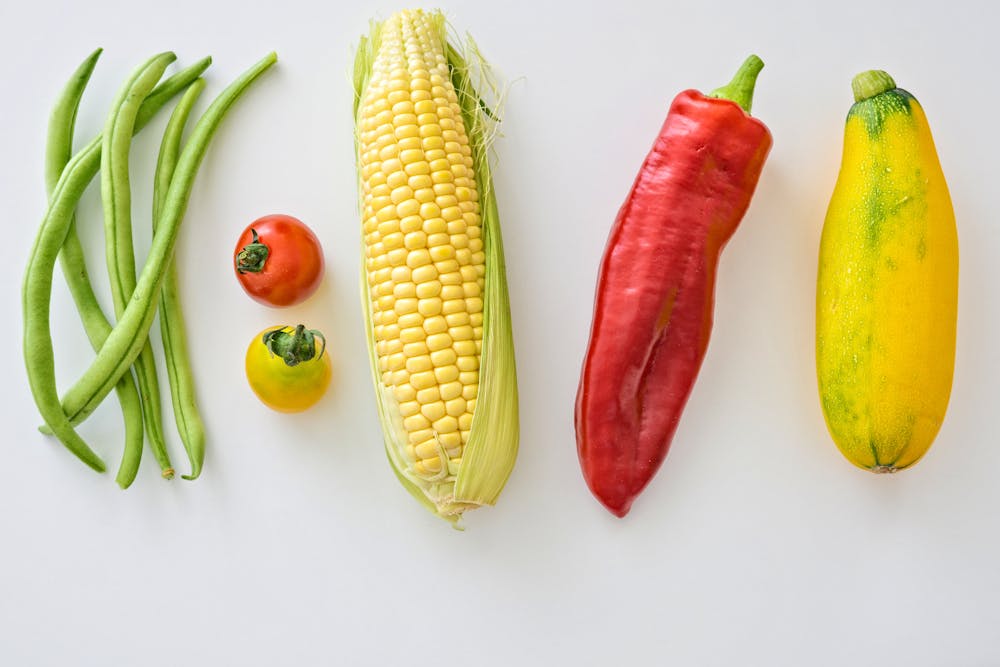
871	83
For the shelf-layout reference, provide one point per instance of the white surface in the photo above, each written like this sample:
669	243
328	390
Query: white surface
757	544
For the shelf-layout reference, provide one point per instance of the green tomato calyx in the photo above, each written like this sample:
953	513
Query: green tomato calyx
252	257
296	346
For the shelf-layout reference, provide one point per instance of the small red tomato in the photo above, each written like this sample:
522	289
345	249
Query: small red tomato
278	260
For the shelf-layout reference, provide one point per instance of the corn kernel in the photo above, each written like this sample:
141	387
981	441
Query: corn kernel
447	374
414	349
433	411
419	364
415	334
421	435
446	424
396	257
415	240
423	380
438	342
417	422
429	395
455	407
409	408
457	319
427	449
430	306
402	290
428	289
435	226
404	393
411	223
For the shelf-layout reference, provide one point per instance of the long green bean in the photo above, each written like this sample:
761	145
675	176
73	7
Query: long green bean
129	335
182	393
116	198
59	150
59	218
36	296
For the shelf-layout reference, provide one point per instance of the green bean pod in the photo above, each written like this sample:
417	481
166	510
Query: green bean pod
59	150
182	391
129	335
37	288
116	198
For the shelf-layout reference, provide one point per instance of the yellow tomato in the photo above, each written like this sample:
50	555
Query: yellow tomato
288	368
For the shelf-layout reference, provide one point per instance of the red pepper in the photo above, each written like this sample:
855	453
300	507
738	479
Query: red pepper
656	287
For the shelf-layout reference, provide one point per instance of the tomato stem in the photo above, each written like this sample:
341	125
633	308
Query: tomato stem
296	346
252	257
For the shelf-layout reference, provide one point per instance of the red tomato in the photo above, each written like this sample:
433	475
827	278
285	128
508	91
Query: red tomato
278	260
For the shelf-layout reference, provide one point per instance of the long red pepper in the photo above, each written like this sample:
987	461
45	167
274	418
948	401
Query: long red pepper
656	287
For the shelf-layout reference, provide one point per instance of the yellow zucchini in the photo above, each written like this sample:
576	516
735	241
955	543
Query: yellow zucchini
887	290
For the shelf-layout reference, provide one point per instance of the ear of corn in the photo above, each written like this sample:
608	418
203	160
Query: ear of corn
434	286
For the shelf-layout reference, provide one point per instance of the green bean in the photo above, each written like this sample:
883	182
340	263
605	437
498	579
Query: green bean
182	394
119	252
128	336
59	150
59	217
38	353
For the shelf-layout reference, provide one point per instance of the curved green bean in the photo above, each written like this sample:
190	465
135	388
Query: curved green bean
36	296
85	165
116	198
129	335
182	392
59	150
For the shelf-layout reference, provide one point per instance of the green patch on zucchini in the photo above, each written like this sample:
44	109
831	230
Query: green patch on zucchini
875	110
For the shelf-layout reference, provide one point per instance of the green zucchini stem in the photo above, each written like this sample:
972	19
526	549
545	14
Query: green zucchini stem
871	83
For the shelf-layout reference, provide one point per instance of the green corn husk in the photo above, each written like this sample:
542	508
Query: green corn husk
491	449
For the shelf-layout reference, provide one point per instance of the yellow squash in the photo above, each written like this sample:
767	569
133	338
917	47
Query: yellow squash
887	292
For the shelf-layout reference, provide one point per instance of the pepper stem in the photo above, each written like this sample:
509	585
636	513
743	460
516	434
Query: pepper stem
740	89
871	83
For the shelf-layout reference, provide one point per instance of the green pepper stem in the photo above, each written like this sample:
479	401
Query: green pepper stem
871	83
740	89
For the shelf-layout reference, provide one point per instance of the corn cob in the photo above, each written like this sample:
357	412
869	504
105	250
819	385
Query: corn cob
433	277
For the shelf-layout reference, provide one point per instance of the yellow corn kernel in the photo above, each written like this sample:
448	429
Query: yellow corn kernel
448	374
455	407
431	288
435	325
409	408
433	411
423	380
451	440
416	422
430	395
443	357
419	364
427	449
430	306
438	342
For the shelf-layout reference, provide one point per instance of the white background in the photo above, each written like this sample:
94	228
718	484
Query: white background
757	543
